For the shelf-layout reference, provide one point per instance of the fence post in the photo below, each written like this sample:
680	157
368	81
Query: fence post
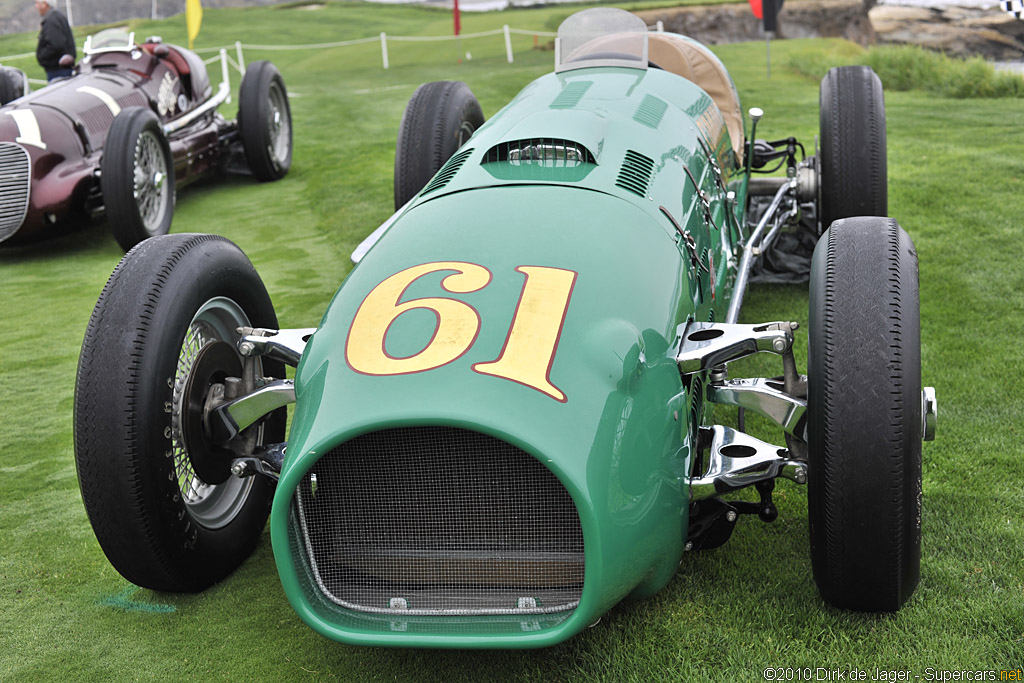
241	62
661	26
224	70
508	44
384	48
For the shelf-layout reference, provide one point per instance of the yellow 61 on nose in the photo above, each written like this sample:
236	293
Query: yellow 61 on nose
530	346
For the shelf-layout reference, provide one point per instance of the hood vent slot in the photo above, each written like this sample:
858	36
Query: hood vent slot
447	171
650	111
635	175
571	95
541	151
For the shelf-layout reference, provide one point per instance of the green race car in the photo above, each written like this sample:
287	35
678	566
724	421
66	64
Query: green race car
501	425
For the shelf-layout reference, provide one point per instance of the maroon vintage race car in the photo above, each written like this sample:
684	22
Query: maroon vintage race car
134	123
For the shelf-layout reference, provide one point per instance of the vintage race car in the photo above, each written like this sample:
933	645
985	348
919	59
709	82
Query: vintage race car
134	123
500	426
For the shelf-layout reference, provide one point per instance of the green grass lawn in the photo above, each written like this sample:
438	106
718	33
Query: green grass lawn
956	182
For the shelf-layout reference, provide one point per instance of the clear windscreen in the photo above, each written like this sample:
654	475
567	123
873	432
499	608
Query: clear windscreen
602	36
109	40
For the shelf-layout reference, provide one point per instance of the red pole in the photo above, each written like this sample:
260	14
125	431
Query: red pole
455	14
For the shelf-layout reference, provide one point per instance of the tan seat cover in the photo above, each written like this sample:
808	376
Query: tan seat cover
694	63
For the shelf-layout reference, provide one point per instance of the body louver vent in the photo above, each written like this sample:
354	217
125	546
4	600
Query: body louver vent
650	111
571	95
447	171
14	187
437	521
635	175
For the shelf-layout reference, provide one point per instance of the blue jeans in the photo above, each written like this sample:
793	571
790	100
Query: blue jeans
58	73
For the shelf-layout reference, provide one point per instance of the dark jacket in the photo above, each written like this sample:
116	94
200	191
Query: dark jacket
55	40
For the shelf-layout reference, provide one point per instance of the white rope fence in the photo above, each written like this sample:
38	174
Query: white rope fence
383	38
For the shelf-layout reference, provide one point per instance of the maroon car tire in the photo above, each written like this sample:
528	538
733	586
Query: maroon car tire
137	177
854	179
167	304
8	90
864	415
440	117
265	121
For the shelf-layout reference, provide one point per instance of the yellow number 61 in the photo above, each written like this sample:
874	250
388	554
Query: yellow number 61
530	346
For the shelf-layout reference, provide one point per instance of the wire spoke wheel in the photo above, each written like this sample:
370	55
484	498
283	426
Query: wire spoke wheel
212	505
137	177
151	188
280	124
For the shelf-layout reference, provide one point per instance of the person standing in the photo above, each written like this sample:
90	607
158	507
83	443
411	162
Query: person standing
56	49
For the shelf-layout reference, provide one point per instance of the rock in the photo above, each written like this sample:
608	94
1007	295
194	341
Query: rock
733	23
956	31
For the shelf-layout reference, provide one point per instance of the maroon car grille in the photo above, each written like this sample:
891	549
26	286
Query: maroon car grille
14	187
437	521
97	120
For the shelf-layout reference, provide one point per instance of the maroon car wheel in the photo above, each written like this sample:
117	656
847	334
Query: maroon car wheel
8	90
137	177
265	121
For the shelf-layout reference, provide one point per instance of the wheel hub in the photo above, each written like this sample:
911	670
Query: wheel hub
214	362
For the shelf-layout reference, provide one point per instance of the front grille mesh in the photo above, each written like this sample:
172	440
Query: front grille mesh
14	187
438	521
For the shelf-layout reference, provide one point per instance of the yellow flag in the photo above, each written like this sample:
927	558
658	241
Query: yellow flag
193	18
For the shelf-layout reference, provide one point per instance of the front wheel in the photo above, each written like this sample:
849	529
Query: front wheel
265	121
165	508
137	177
864	415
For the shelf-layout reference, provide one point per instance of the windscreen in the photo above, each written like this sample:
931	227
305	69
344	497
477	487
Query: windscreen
109	40
602	36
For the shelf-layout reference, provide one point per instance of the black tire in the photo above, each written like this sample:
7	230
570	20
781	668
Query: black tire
137	177
440	118
8	90
854	178
864	415
265	121
159	524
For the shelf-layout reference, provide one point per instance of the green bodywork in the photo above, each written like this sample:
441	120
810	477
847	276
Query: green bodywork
621	438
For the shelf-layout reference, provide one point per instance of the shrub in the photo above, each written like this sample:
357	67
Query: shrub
909	67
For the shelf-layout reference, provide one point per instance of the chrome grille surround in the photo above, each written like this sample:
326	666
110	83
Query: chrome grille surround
438	521
15	179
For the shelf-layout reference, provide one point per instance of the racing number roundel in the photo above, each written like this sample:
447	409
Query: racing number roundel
530	346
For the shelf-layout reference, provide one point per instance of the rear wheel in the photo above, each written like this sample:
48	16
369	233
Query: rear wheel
864	415
440	118
853	145
265	121
137	177
166	510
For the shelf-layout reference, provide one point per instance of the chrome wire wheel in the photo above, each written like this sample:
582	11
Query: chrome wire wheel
150	182
280	124
211	505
